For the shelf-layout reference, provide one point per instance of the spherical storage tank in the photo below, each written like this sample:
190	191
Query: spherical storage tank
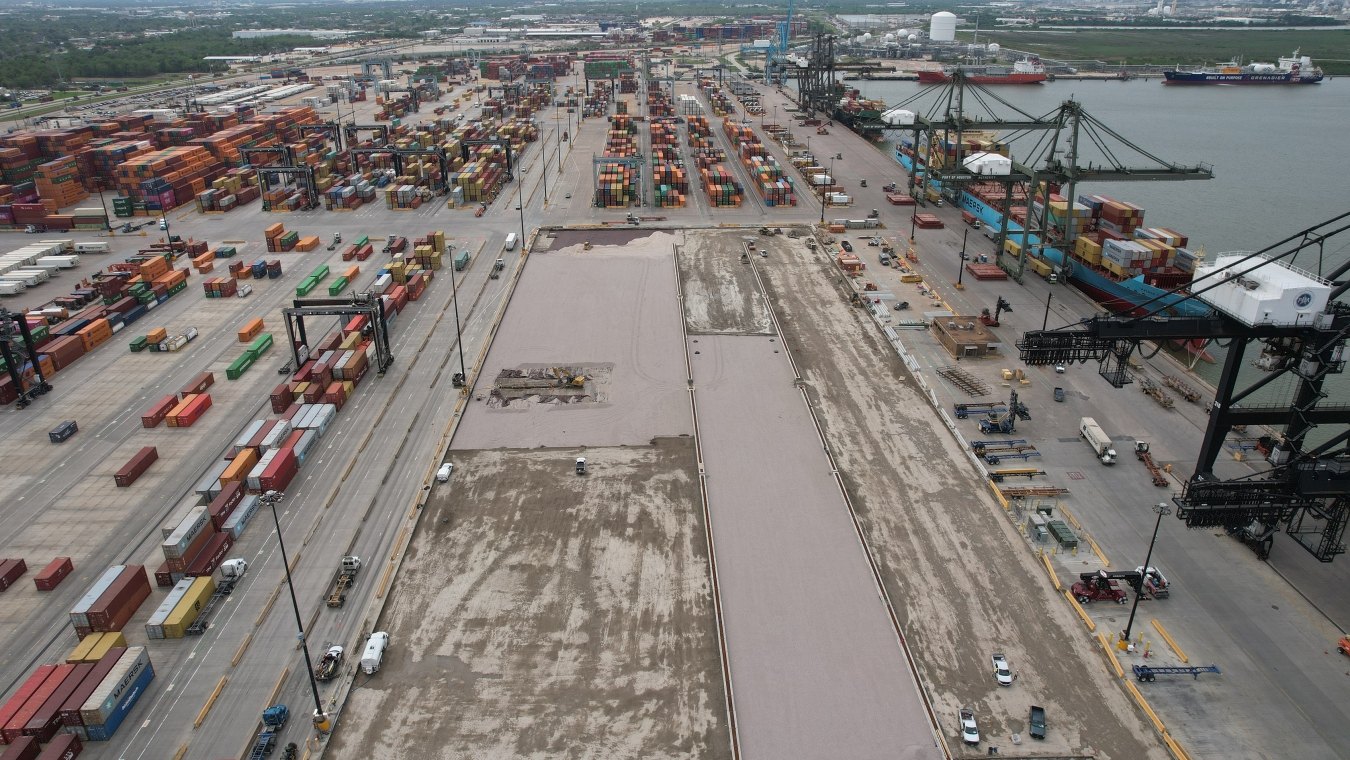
942	27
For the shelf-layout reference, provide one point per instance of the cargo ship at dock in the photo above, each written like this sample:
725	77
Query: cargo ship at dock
1295	69
1029	70
1112	257
861	115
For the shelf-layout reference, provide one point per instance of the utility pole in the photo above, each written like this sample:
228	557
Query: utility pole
1162	510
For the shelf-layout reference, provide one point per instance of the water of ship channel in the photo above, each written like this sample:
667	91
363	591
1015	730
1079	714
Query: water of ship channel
1280	156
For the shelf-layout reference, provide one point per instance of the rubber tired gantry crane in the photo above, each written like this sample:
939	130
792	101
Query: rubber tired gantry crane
1305	490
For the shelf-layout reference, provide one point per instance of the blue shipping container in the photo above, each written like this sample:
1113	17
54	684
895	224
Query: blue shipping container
129	698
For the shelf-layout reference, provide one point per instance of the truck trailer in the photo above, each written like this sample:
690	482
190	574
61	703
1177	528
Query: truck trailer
1097	439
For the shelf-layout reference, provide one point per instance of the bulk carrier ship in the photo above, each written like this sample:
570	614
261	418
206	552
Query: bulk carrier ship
1029	70
1109	254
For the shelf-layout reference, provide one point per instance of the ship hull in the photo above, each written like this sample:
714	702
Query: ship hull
941	77
1207	77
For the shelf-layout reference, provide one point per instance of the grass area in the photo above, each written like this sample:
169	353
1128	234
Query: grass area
1327	47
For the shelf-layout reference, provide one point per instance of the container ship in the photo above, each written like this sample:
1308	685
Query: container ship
1295	69
861	115
1109	253
1029	70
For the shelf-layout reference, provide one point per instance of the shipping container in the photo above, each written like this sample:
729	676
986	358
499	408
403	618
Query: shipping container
70	711
198	384
26	748
188	607
96	646
117	684
238	468
47	720
10	571
239	519
52	575
209	485
104	731
114	609
154	627
177	543
210	557
24	693
63	747
136	466
223	505
14	728
280	471
79	613
241	442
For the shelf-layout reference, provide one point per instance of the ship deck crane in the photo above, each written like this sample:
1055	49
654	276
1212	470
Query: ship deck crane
1307	487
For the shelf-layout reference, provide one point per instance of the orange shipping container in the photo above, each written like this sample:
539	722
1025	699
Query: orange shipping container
251	330
351	273
274	230
172	416
157	335
240	466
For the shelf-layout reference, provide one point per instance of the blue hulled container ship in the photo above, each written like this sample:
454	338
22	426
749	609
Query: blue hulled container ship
1295	69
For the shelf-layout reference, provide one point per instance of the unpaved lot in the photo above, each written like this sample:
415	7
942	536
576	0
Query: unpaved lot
544	615
963	582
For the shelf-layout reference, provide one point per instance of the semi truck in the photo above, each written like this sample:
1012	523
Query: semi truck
273	719
343	579
1097	439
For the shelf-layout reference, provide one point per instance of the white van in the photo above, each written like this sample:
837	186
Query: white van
511	241
374	654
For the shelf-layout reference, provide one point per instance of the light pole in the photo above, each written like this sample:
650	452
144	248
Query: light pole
1163	510
961	271
459	338
521	208
321	721
913	222
1046	320
822	192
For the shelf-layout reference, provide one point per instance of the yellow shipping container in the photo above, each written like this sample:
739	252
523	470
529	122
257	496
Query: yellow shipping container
95	646
81	651
186	611
1012	246
240	466
1038	266
350	342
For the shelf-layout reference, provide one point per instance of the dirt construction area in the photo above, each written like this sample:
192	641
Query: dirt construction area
539	613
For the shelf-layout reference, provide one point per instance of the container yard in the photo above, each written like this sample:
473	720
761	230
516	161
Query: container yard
352	342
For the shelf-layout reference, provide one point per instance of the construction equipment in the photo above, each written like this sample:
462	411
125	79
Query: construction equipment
273	719
568	377
343	579
395	244
1097	587
1141	453
337	238
990	318
822	131
1186	391
329	664
497	268
1006	421
1149	673
1344	645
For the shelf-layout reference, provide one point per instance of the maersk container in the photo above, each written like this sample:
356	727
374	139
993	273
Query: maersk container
277	434
79	614
238	520
302	445
241	442
209	485
187	531
119	683
154	627
255	475
179	514
46	721
101	732
70	711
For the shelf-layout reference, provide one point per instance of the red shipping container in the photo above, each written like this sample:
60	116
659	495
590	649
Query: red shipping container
156	413
70	711
256	441
322	374
24	749
24	692
14	728
45	722
211	556
180	564
198	384
112	610
63	747
223	505
302	375
164	576
291	411
64	351
194	410
278	474
136	466
52	575
82	631
10	571
281	398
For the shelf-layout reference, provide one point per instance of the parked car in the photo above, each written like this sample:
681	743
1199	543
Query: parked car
443	474
1002	673
970	732
847	246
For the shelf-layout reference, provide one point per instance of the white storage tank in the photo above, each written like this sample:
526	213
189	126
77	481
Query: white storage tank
942	27
1259	291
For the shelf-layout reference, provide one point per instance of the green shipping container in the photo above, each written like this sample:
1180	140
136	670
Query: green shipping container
139	344
306	285
261	344
318	274
338	286
239	366
225	252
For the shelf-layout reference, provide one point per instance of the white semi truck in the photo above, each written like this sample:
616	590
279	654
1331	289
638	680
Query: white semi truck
1097	439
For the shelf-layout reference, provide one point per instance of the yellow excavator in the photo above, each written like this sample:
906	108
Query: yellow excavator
567	377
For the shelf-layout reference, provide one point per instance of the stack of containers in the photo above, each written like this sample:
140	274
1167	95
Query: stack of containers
111	600
180	608
189	410
670	183
220	287
59	181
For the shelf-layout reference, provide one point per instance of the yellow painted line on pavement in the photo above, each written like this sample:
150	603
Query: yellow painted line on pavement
1097	550
1143	705
1170	643
267	608
1111	655
243	647
1045	560
1177	751
384	581
999	495
210	702
398	542
295	561
1069	516
1082	613
281	681
182	750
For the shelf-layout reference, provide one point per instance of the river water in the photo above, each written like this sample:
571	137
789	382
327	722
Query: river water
1280	156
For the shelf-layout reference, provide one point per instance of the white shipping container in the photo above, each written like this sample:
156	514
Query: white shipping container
79	613
9	288
41	274
255	475
180	513
154	627
209	486
303	445
241	442
326	414
238	519
182	537
91	247
276	435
